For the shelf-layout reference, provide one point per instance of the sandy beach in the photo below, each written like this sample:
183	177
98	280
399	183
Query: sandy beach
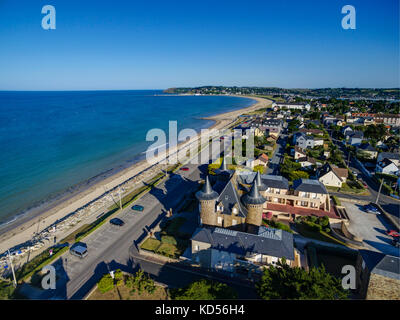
87	204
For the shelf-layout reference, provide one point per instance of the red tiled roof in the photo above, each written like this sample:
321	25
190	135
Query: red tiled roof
263	157
286	208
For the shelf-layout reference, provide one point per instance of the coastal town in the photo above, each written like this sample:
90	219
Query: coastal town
320	195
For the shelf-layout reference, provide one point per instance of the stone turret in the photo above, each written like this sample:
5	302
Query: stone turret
254	204
207	198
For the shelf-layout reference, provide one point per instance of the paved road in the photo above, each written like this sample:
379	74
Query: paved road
274	162
371	228
390	205
109	246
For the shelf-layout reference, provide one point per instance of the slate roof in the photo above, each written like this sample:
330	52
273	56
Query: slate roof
356	134
269	242
207	193
309	185
385	162
366	147
229	197
390	155
270	181
254	196
381	264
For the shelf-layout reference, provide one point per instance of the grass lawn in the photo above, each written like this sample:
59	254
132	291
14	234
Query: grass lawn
322	236
150	244
122	292
168	249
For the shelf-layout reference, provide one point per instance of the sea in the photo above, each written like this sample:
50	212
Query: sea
54	143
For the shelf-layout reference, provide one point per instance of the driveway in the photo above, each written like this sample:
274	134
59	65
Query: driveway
371	228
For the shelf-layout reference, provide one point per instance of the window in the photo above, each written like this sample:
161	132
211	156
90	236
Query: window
234	222
219	220
196	248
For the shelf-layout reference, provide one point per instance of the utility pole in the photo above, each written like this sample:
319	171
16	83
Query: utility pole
12	268
120	201
348	158
379	192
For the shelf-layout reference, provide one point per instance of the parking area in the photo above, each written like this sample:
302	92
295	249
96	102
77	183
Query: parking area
372	228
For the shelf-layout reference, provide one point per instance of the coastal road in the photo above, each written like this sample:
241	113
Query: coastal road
109	246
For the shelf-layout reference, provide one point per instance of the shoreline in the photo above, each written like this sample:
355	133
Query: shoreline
22	229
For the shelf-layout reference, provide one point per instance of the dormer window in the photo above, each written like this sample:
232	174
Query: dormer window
235	210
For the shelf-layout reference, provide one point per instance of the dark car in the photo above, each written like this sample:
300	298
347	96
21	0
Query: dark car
117	222
137	207
396	243
371	209
79	250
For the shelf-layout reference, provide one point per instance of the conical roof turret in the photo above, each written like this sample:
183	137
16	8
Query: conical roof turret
260	185
254	196
207	192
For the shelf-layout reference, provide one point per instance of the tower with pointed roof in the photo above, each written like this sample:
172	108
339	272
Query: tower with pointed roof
207	198
254	205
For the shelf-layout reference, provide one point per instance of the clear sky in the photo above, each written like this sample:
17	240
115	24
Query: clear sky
159	44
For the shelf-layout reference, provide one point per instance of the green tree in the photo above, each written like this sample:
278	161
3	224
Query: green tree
106	283
285	282
204	290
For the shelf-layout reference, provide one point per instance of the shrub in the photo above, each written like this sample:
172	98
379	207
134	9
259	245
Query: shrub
327	230
169	239
105	284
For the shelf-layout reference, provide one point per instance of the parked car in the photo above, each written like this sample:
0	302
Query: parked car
393	233
137	207
371	209
117	222
396	243
185	169
79	250
365	185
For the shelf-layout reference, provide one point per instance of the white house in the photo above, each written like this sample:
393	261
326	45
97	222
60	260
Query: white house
332	176
386	166
298	106
394	157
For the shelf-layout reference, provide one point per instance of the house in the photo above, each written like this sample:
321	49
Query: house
311	194
287	105
250	163
238	199
394	157
311	131
332	176
367	150
232	251
307	162
299	153
386	166
355	138
261	160
366	121
303	141
378	276
346	130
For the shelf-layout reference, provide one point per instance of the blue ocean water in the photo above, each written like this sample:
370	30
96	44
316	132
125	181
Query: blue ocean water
51	141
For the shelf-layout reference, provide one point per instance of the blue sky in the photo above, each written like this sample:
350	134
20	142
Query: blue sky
158	44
